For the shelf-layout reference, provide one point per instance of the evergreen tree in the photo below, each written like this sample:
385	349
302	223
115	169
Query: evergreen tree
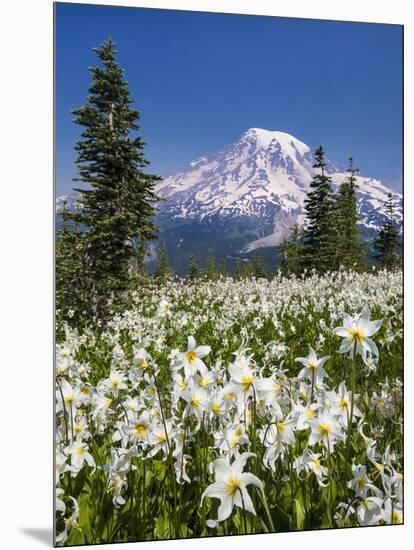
118	204
238	270
210	271
349	251
248	269
320	235
72	274
386	243
192	269
223	267
292	253
163	271
259	266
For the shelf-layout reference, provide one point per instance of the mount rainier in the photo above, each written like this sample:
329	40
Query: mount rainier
248	196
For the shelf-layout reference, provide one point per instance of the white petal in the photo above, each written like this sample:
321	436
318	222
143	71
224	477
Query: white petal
373	327
215	490
191	343
239	463
225	508
202	351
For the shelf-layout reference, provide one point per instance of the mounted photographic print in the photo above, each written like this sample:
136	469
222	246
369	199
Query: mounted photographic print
229	235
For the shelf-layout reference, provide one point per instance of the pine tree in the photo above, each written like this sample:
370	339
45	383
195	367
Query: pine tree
349	251
238	270
319	241
72	276
192	269
210	271
164	270
259	266
223	267
292	253
386	243
118	204
248	270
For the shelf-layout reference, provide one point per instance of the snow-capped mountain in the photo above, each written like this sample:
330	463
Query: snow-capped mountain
262	178
248	196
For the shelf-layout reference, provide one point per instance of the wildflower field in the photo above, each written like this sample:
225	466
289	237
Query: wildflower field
230	407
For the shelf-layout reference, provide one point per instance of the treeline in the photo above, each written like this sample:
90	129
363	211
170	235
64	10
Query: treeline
243	269
329	238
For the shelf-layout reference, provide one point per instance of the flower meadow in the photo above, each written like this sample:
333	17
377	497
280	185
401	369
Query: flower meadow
230	407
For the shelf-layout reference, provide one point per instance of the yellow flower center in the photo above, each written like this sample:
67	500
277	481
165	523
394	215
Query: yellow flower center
280	426
313	366
232	485
396	517
357	334
216	408
80	451
195	402
324	429
162	437
203	382
247	382
317	463
141	429
191	357
238	432
142	364
344	403
310	414
69	399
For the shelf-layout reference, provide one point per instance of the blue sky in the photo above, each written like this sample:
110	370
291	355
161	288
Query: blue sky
200	80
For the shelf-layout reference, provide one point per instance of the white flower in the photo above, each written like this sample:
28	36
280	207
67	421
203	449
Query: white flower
313	367
356	332
326	429
79	455
191	359
231	486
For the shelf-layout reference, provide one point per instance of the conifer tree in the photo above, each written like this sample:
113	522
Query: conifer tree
292	253
118	203
386	243
210	271
349	251
238	270
319	241
192	269
259	266
164	270
248	270
223	267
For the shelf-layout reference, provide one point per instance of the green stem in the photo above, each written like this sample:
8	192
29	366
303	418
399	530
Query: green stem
351	414
266	507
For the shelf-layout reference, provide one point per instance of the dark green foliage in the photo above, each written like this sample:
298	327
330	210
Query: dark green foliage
319	238
210	272
248	269
348	249
163	271
238	270
259	266
292	253
223	268
387	244
118	204
192	269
